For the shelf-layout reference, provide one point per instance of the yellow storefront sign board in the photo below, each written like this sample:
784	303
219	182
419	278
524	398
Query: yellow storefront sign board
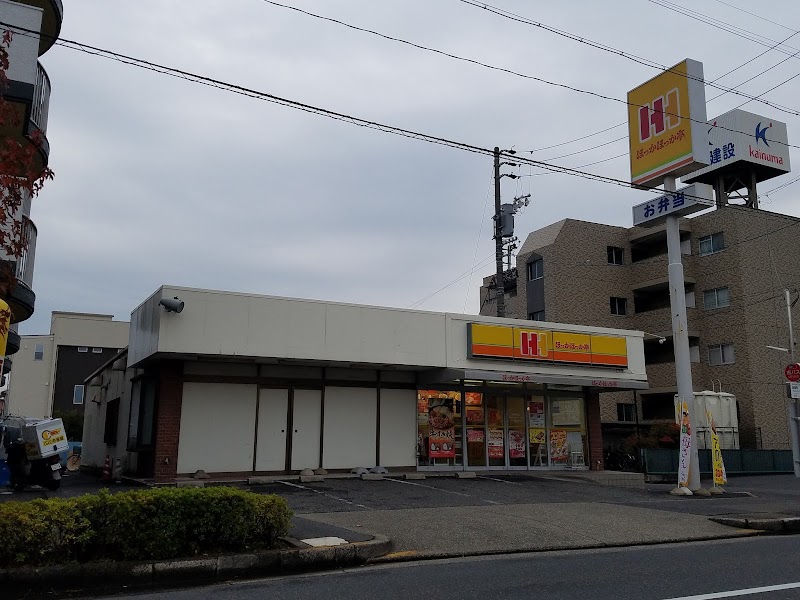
520	343
667	125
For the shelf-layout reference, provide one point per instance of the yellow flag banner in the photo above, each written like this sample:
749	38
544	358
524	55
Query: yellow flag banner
720	477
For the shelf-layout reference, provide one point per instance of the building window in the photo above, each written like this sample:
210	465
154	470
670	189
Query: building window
83	349
97	350
625	412
38	352
615	255
619	306
535	270
536	316
716	298
710	244
77	395
721	354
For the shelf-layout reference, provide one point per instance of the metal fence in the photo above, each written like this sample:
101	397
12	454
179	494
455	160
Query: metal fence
664	461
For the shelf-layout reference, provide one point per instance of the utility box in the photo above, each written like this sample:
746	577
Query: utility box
44	438
722	407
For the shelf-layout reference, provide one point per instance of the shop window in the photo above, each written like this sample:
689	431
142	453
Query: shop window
710	244
626	412
142	415
619	306
721	354
568	443
716	298
439	429
77	394
38	352
112	418
616	256
535	270
536	316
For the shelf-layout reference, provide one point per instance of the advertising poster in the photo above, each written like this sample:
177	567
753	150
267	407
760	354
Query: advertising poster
516	443
536	412
559	452
442	434
475	436
473	398
475	415
685	449
720	476
537	435
496	449
422	411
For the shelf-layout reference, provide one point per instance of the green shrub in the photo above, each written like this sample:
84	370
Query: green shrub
139	525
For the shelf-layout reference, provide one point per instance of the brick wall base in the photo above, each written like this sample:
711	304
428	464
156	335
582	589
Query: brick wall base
168	420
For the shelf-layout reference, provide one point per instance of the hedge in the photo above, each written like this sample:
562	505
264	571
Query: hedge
152	524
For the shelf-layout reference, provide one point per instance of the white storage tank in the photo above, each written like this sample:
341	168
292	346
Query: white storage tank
722	407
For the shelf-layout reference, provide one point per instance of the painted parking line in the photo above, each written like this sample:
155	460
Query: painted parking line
437	489
744	592
322	493
500	480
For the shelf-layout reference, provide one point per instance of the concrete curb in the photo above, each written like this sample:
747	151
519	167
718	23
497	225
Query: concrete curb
408	556
108	576
775	525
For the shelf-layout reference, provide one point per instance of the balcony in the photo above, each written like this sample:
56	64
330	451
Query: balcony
22	301
52	18
28	105
13	343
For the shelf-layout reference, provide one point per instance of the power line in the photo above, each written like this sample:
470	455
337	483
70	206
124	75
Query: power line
637	59
752	14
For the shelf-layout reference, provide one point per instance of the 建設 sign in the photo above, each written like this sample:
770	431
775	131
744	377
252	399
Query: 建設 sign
685	201
667	128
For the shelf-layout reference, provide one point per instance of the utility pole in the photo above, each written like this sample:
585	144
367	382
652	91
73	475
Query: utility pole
500	290
498	235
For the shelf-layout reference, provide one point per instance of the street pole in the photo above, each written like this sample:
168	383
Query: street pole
498	240
680	335
794	405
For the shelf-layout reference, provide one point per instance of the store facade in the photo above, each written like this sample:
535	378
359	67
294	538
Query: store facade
243	384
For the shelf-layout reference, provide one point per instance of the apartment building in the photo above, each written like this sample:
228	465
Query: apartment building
34	26
49	370
737	262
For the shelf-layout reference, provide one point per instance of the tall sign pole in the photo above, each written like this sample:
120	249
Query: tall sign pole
668	138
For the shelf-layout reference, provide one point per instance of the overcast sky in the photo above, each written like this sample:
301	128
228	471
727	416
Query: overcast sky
162	181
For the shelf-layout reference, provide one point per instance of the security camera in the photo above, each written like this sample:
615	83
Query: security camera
660	340
172	304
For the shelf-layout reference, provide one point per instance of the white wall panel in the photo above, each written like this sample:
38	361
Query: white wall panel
217	427
350	435
398	428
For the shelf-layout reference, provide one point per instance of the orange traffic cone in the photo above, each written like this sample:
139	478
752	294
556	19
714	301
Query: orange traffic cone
106	476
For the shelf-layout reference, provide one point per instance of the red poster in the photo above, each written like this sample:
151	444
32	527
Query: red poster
473	397
475	436
474	414
496	449
516	443
442	436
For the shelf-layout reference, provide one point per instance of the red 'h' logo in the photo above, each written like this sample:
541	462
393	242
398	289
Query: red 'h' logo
529	343
662	114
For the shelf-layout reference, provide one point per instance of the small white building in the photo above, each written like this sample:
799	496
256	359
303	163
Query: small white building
243	383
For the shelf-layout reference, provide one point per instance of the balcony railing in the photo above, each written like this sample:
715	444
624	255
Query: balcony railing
41	99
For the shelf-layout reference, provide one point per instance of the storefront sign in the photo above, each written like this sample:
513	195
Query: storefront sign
537	435
685	450
685	201
666	124
442	435
522	344
496	448
536	413
720	476
516	443
559	451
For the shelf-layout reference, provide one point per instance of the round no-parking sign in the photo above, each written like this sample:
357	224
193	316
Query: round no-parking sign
792	372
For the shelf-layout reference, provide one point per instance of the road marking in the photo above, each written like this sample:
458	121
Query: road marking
744	592
500	480
322	493
430	487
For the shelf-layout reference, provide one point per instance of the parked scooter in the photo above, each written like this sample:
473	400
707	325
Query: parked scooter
32	448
